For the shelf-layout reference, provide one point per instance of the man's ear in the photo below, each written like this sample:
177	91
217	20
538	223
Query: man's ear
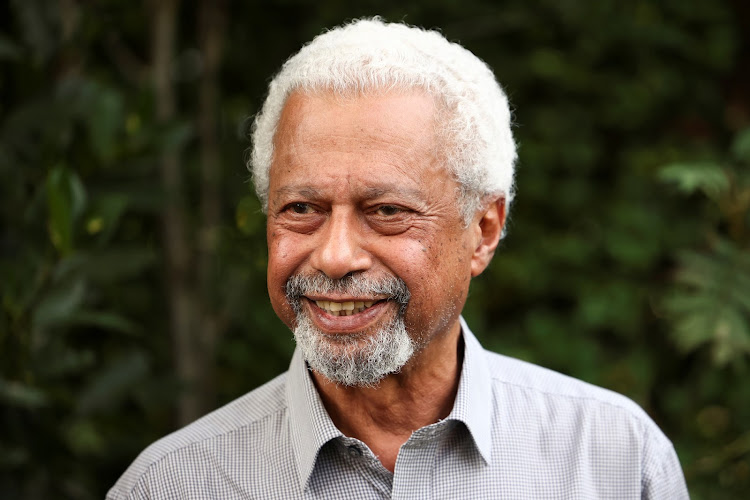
489	223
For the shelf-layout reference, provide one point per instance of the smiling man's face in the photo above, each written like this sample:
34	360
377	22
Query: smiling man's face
356	193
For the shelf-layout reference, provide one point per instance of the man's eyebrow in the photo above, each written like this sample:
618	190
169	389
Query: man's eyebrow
397	189
367	193
304	191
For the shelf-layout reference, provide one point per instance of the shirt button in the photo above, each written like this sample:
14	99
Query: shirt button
354	451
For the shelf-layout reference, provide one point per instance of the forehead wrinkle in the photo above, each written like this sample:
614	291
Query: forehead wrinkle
386	148
408	151
383	135
371	193
306	191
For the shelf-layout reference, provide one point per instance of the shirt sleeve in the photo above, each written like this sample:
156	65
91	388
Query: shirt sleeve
662	474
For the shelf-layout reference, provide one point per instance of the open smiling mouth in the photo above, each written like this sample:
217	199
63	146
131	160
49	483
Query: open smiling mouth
347	308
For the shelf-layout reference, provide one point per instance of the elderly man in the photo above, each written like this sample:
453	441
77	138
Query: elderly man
384	157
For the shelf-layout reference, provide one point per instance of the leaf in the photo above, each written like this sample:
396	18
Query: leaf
106	266
105	320
711	302
741	146
725	272
64	361
105	118
117	264
66	199
83	437
105	215
59	303
731	337
101	109
37	24
703	319
18	394
691	177
109	386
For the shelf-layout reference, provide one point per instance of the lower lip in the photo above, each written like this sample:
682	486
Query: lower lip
347	324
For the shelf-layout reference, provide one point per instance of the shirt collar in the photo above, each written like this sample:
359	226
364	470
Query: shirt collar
474	399
311	427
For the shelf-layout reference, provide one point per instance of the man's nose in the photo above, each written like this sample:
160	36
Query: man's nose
340	250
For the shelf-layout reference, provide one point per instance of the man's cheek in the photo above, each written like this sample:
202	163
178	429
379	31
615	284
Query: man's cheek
284	311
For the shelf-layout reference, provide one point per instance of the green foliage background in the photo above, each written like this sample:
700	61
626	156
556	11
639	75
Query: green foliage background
627	261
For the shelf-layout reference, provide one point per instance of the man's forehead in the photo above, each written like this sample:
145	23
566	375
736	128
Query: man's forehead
321	136
309	108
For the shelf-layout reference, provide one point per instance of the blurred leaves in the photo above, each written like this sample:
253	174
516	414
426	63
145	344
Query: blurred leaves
17	394
59	303
691	177
741	147
66	199
113	383
710	302
101	110
708	305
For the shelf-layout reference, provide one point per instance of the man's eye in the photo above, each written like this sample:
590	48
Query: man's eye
300	208
388	210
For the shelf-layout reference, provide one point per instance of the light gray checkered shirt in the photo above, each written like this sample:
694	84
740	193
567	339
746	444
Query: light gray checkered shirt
517	431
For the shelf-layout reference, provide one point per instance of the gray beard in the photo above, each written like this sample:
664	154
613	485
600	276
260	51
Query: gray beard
355	359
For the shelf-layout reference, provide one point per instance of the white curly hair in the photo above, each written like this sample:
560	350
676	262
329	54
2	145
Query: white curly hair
370	56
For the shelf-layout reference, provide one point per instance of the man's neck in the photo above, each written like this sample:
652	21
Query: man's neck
385	416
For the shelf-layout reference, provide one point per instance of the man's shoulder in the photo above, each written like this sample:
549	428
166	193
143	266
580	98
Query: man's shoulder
245	412
556	422
534	381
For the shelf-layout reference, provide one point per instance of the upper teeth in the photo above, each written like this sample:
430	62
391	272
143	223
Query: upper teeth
344	308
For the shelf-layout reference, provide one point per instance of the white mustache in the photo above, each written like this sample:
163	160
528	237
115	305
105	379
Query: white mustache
391	287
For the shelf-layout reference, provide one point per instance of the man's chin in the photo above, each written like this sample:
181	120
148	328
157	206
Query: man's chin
357	359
